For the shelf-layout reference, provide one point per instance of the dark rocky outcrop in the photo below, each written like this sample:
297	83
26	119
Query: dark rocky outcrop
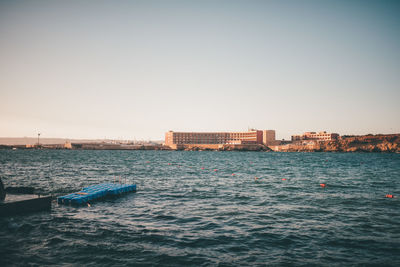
365	143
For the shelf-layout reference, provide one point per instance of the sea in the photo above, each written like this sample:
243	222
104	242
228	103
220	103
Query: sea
207	208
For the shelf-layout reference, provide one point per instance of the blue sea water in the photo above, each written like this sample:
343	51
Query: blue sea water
207	209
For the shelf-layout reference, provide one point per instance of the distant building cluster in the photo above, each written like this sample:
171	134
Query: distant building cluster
321	136
265	137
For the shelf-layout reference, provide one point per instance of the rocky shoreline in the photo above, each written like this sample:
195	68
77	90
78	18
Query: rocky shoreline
365	143
226	147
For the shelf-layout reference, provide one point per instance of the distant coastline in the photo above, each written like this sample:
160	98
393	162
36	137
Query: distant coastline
12	141
389	143
364	143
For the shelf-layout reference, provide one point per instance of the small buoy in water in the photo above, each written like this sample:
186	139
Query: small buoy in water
322	185
215	170
233	174
255	178
389	196
147	161
283	179
202	168
169	163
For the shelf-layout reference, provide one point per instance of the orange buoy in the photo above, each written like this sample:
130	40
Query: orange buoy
233	174
202	168
169	163
147	161
256	178
283	179
322	185
215	170
389	196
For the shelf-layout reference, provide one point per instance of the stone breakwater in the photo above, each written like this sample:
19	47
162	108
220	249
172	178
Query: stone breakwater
365	143
220	147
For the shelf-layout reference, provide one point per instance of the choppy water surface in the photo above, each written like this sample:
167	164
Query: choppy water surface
206	208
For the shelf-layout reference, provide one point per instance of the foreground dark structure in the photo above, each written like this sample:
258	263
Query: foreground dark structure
24	204
21	201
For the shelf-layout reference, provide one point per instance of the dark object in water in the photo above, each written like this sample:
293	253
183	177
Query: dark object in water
22	204
2	191
21	200
20	190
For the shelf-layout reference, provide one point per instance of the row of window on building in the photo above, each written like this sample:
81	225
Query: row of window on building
250	137
321	136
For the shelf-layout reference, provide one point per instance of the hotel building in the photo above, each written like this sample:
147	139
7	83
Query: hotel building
321	136
206	138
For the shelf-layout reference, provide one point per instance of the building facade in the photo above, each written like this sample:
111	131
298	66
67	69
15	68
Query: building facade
234	138
321	136
269	137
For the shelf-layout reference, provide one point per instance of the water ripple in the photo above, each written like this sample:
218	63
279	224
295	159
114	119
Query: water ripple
207	209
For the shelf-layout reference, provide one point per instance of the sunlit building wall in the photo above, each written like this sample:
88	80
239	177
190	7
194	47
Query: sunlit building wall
187	138
321	136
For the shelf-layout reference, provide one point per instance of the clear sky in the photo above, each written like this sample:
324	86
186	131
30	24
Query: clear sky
136	69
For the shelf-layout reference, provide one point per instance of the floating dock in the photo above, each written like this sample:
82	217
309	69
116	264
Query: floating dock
96	192
23	204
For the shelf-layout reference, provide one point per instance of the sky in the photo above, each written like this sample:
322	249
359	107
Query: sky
137	69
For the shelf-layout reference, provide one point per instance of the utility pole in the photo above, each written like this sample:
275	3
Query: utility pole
38	135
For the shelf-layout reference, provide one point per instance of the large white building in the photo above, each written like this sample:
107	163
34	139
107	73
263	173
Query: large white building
250	137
